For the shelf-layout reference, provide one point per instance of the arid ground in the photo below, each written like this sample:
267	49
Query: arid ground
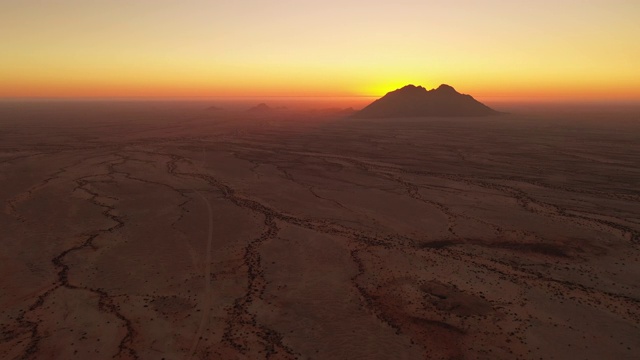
162	232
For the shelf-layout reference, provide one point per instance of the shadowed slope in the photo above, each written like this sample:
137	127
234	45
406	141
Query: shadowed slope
415	101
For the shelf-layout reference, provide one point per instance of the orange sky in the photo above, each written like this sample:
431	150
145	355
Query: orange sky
573	49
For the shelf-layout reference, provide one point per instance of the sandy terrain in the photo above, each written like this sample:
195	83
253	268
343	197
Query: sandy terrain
178	233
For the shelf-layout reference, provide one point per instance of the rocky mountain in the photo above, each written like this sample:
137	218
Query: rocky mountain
416	101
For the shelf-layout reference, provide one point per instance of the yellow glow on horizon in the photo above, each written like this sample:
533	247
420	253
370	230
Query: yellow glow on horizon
198	48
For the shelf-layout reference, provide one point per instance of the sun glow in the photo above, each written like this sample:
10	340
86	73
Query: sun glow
72	48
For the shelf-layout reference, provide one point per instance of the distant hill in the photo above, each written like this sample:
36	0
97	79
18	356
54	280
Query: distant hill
262	107
214	108
416	101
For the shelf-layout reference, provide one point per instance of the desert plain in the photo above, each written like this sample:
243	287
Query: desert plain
169	231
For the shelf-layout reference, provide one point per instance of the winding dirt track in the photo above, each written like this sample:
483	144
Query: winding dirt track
508	237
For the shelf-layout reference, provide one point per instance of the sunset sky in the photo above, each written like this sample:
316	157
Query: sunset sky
574	49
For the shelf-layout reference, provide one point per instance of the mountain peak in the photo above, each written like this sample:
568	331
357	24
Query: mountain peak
446	88
416	101
260	108
411	87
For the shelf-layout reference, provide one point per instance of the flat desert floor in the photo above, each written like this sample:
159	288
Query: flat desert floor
168	233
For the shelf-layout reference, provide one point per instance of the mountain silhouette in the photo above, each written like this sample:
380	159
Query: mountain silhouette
262	107
416	101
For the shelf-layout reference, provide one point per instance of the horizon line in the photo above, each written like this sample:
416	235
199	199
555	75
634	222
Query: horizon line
203	97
